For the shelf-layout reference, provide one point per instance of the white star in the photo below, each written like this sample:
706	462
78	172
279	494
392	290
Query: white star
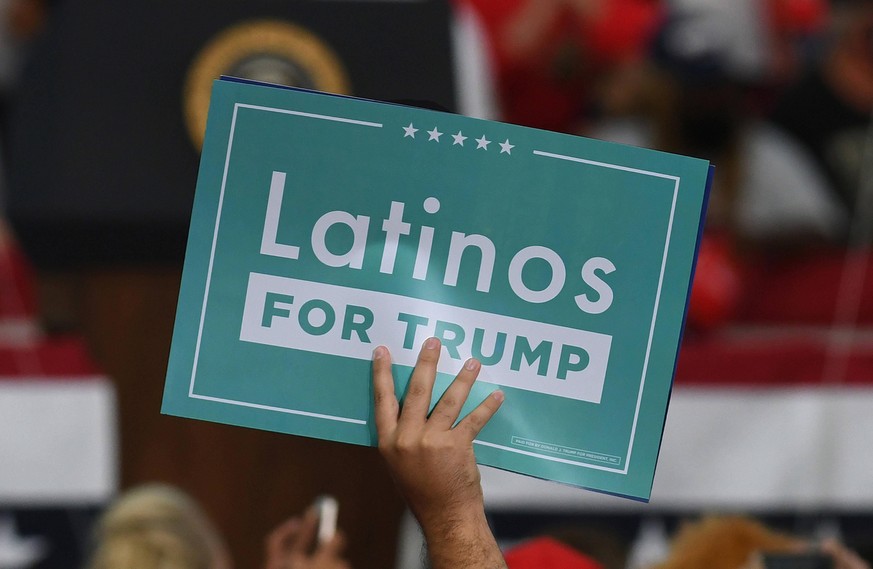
434	134
506	147
482	143
410	131
459	138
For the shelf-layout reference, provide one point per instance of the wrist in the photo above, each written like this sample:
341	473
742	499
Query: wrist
460	538
450	520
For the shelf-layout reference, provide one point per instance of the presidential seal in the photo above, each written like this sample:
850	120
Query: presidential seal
271	51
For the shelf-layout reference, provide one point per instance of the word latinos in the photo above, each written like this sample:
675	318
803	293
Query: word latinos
395	228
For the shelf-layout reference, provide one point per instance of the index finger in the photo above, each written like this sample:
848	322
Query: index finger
305	537
384	399
279	541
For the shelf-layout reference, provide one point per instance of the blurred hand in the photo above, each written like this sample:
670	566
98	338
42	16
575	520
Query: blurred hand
844	558
292	546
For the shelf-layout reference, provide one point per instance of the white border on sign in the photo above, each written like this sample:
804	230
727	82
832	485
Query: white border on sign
651	328
191	393
542	153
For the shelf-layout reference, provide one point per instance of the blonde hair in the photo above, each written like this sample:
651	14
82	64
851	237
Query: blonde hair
155	527
724	542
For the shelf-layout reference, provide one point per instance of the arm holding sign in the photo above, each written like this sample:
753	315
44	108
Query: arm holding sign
433	462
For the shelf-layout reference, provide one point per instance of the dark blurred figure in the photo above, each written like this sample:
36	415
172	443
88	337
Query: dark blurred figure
767	194
552	56
766	188
829	110
795	29
604	547
20	22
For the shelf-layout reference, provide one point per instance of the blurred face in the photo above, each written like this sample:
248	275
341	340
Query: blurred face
860	33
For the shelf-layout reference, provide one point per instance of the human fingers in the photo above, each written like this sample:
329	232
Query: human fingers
305	537
478	417
332	548
278	541
844	558
449	406
384	399
420	388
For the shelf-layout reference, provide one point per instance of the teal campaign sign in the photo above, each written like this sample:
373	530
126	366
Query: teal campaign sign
324	226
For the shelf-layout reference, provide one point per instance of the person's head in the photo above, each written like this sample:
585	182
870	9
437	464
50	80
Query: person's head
728	542
157	527
548	553
601	545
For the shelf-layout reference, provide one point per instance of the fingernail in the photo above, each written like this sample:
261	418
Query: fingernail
431	344
498	396
379	352
471	364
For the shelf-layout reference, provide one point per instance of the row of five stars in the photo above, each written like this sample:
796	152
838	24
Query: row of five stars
459	138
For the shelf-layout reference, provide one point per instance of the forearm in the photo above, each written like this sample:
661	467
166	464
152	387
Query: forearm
461	541
432	458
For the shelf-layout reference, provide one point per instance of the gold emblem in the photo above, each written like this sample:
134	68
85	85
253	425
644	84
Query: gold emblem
271	51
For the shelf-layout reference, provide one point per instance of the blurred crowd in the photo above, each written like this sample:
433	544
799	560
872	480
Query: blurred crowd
160	527
777	94
784	86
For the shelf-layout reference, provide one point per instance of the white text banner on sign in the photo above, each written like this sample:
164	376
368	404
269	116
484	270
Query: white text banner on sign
342	321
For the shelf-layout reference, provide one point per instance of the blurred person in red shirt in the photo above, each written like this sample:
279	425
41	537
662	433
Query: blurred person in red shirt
551	56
